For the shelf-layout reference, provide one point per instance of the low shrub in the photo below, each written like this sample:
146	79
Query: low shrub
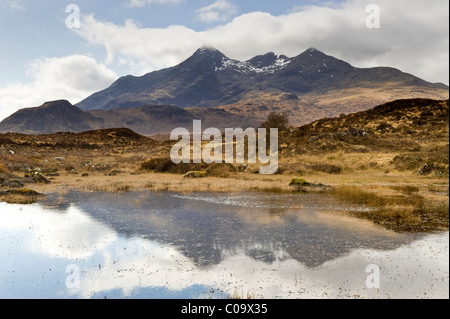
164	165
195	174
298	181
327	168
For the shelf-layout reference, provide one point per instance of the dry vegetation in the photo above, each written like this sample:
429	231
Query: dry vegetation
401	208
399	150
259	104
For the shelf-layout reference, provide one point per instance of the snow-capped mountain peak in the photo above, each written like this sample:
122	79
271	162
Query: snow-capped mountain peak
269	64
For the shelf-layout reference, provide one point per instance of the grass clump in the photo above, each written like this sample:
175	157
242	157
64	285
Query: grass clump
22	196
23	191
298	181
195	174
400	209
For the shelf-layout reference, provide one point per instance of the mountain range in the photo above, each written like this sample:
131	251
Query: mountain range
228	93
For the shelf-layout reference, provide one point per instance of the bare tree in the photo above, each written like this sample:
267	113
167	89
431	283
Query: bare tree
276	120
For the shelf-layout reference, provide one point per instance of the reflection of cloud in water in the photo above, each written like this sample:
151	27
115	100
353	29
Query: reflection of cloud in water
154	265
156	252
71	235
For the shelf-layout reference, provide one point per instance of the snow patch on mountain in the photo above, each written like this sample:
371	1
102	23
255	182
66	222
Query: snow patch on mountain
247	68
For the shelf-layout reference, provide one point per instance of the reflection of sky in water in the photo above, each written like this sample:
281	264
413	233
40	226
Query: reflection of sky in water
162	245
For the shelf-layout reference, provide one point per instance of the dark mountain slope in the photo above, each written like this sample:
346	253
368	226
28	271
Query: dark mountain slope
51	117
210	79
61	116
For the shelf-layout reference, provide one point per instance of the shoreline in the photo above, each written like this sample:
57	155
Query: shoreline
241	182
397	203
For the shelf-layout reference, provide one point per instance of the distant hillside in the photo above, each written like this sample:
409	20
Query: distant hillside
94	139
415	130
61	116
162	119
51	117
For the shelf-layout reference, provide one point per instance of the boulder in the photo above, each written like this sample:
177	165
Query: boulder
357	132
302	186
6	181
14	183
37	177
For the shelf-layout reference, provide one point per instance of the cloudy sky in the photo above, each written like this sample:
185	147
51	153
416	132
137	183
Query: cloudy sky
45	55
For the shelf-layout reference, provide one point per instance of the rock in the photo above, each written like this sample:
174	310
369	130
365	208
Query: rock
87	163
313	139
5	181
438	174
24	192
298	181
302	186
40	179
14	183
426	169
195	174
242	168
357	132
53	174
384	126
279	171
37	177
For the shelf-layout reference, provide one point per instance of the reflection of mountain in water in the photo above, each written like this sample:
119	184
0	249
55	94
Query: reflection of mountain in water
308	229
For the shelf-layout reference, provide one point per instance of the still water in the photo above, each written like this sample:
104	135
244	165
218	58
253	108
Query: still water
169	245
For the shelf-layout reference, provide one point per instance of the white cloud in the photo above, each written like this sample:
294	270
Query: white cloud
219	11
72	78
413	37
141	48
142	3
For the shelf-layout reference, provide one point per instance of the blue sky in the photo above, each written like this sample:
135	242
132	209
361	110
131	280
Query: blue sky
42	59
36	29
